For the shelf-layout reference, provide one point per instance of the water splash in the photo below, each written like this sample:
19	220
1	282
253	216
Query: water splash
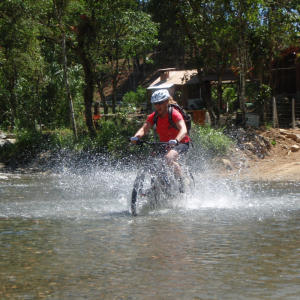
90	189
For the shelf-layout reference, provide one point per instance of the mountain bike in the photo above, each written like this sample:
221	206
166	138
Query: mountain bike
155	185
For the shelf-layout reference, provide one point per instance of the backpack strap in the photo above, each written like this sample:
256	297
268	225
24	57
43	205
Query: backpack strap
155	119
170	114
154	125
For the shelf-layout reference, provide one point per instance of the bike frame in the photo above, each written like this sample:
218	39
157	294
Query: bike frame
162	184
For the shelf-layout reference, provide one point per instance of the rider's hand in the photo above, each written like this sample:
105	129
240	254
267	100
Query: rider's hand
134	139
173	142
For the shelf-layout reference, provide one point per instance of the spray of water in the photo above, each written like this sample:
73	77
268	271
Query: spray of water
94	188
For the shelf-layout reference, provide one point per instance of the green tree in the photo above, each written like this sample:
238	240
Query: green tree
171	34
58	11
22	65
105	34
197	21
278	29
261	28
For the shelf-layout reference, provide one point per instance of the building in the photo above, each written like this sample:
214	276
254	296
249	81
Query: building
186	84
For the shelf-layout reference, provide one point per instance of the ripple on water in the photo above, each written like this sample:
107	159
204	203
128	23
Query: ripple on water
72	237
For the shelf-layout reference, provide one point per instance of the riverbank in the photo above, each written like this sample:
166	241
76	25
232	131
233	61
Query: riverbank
279	160
259	154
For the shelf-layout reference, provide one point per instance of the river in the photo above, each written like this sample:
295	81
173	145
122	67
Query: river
71	236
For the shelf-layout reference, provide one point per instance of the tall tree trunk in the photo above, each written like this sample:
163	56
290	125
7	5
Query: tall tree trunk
206	95
144	64
133	76
102	94
204	87
209	102
71	109
242	81
129	71
220	89
13	101
39	109
183	57
88	93
137	61
242	56
70	101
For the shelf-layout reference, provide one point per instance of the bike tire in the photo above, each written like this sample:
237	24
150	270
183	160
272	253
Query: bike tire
189	181
192	180
143	192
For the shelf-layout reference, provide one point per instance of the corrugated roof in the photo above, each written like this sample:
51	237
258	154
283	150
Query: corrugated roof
160	86
176	77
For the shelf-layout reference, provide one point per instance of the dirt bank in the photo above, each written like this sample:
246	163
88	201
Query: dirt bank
279	160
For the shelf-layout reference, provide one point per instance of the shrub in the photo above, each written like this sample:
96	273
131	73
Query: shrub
136	98
31	142
210	142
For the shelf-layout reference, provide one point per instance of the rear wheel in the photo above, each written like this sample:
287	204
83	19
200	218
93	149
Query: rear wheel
191	180
187	182
143	193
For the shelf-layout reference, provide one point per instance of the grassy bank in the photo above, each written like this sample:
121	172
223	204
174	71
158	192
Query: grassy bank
111	139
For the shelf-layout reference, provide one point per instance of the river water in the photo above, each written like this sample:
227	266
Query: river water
71	236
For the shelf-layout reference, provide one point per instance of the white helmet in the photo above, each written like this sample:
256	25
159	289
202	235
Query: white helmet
159	96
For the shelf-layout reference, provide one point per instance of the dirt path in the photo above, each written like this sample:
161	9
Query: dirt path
280	162
276	167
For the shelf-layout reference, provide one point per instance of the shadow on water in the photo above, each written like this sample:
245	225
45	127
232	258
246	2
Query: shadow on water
71	236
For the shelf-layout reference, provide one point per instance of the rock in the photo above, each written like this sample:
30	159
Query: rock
249	146
287	134
295	148
292	136
11	136
3	135
227	164
6	142
281	137
283	131
11	141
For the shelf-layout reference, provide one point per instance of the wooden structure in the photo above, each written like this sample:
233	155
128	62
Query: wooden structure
287	73
186	82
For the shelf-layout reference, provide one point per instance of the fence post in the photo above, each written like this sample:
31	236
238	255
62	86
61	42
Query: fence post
274	112
293	113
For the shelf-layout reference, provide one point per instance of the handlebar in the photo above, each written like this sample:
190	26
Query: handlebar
141	143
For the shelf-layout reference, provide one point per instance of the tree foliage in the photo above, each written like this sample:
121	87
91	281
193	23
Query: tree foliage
102	38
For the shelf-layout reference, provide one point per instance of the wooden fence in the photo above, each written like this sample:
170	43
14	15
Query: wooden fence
284	113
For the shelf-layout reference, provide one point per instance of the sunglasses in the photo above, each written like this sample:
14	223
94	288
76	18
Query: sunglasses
159	103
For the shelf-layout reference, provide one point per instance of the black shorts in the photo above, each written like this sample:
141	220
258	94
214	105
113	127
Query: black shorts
182	148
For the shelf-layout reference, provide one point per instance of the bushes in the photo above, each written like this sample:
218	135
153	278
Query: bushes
31	142
210	142
112	138
136	99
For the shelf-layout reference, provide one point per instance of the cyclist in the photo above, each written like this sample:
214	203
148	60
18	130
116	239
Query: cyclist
176	138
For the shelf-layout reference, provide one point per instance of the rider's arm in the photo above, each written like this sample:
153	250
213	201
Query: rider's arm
143	130
182	130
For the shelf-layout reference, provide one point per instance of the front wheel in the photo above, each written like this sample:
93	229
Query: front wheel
143	193
187	182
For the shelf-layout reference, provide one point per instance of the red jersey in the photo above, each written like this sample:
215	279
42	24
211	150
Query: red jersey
165	133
